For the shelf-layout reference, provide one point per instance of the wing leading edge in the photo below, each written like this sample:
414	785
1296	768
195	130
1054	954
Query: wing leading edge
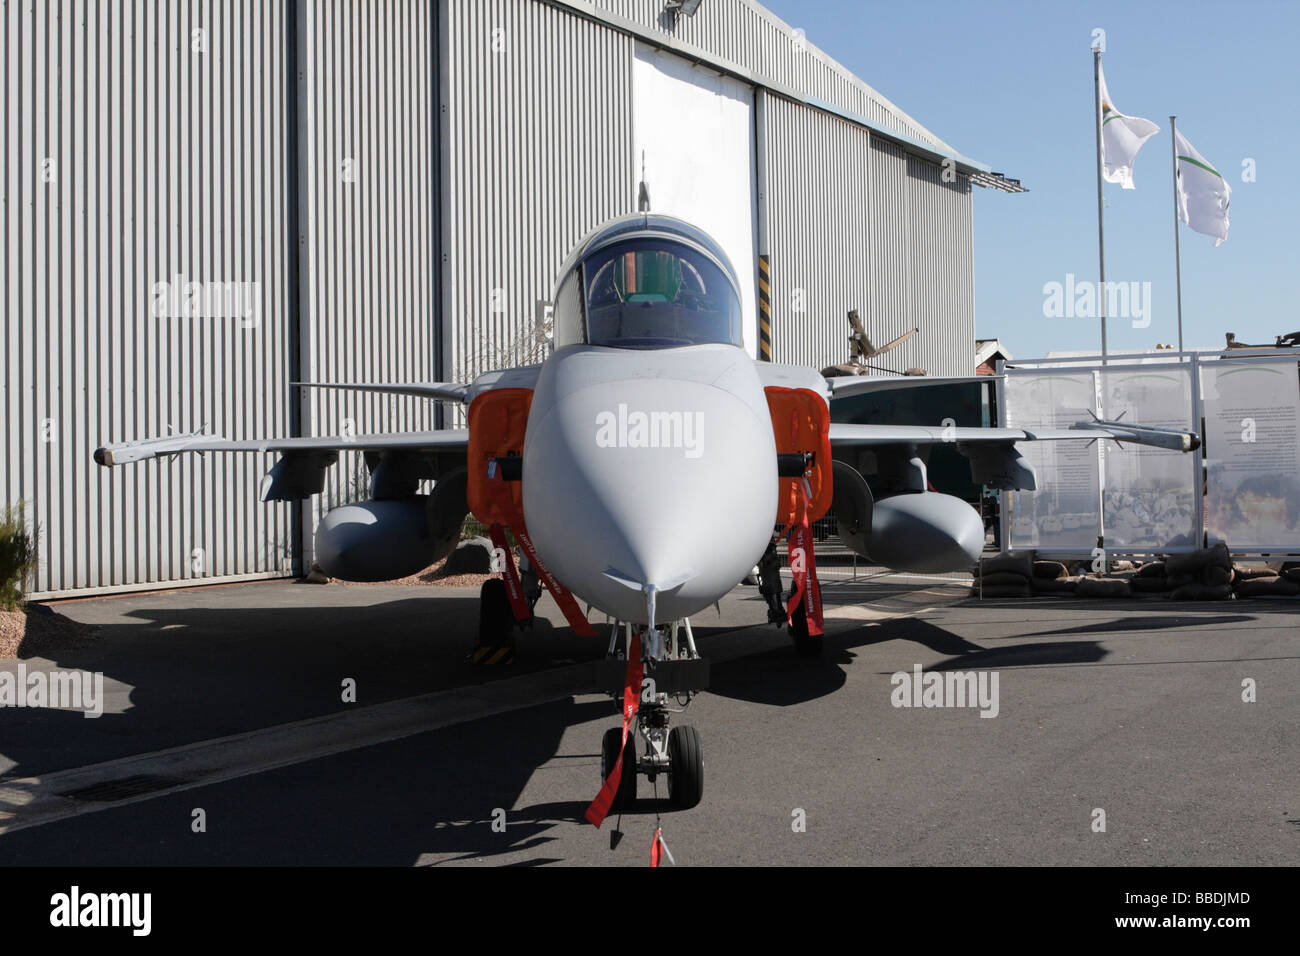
442	391
843	435
452	439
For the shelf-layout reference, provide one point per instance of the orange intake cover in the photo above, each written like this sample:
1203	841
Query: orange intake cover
801	422
498	420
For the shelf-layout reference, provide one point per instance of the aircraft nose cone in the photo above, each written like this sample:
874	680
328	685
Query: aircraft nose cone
650	482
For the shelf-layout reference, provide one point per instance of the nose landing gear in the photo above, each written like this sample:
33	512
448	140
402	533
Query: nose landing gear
672	671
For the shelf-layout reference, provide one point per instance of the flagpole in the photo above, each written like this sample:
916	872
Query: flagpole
1178	256
1101	216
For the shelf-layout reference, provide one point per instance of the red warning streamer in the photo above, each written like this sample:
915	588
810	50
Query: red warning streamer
505	504
514	588
803	565
599	808
572	613
659	850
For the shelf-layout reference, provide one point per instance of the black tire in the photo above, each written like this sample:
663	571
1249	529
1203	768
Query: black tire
496	620
625	795
685	768
807	645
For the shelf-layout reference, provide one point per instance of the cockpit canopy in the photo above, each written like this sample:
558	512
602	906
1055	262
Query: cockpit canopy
647	283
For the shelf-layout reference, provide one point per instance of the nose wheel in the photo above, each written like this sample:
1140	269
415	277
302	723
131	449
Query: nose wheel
625	796
685	767
677	754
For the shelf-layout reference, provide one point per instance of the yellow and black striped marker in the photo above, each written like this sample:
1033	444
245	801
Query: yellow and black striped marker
764	309
488	656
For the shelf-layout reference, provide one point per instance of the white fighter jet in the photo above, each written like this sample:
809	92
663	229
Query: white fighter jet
645	468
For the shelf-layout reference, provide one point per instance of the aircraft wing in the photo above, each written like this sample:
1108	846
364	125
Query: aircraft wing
452	439
442	391
842	386
842	434
403	457
994	459
397	460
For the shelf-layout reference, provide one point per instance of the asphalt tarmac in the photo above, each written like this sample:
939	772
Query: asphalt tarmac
1118	734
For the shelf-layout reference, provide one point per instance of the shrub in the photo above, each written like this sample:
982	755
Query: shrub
17	556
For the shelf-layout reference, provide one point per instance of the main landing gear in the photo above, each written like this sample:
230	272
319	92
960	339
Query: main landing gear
769	585
496	619
673	671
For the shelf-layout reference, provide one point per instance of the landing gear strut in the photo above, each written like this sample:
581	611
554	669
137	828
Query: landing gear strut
673	672
769	584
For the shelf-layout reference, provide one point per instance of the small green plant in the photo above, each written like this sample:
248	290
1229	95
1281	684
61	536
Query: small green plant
17	556
473	528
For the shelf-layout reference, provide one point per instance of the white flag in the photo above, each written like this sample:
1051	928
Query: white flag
1202	193
1121	138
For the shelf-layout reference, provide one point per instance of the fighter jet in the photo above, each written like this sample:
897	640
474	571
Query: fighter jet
645	468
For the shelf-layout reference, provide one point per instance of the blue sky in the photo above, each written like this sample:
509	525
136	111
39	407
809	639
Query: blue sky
1010	84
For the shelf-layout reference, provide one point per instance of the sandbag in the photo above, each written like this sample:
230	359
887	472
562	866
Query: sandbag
1148	585
1103	588
1202	592
1213	575
1245	572
1194	562
1062	585
1261	587
1003	590
999	578
1048	570
1019	562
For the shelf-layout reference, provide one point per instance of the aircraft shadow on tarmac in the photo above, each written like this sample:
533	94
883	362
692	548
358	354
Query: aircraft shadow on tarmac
205	672
1159	623
428	798
777	678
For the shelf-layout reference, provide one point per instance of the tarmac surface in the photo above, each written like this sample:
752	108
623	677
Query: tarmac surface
229	700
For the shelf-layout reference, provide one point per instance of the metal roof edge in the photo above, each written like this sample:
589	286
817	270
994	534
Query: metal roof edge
930	150
983	173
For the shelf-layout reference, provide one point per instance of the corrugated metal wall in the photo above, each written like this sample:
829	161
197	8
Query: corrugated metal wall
818	190
538	152
367	95
942	272
855	222
143	142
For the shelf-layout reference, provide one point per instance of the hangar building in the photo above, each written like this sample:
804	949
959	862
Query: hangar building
204	202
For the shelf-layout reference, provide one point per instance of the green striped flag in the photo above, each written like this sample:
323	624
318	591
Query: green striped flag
1202	193
1121	138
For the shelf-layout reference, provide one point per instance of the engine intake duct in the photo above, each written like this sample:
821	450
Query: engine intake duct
794	464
